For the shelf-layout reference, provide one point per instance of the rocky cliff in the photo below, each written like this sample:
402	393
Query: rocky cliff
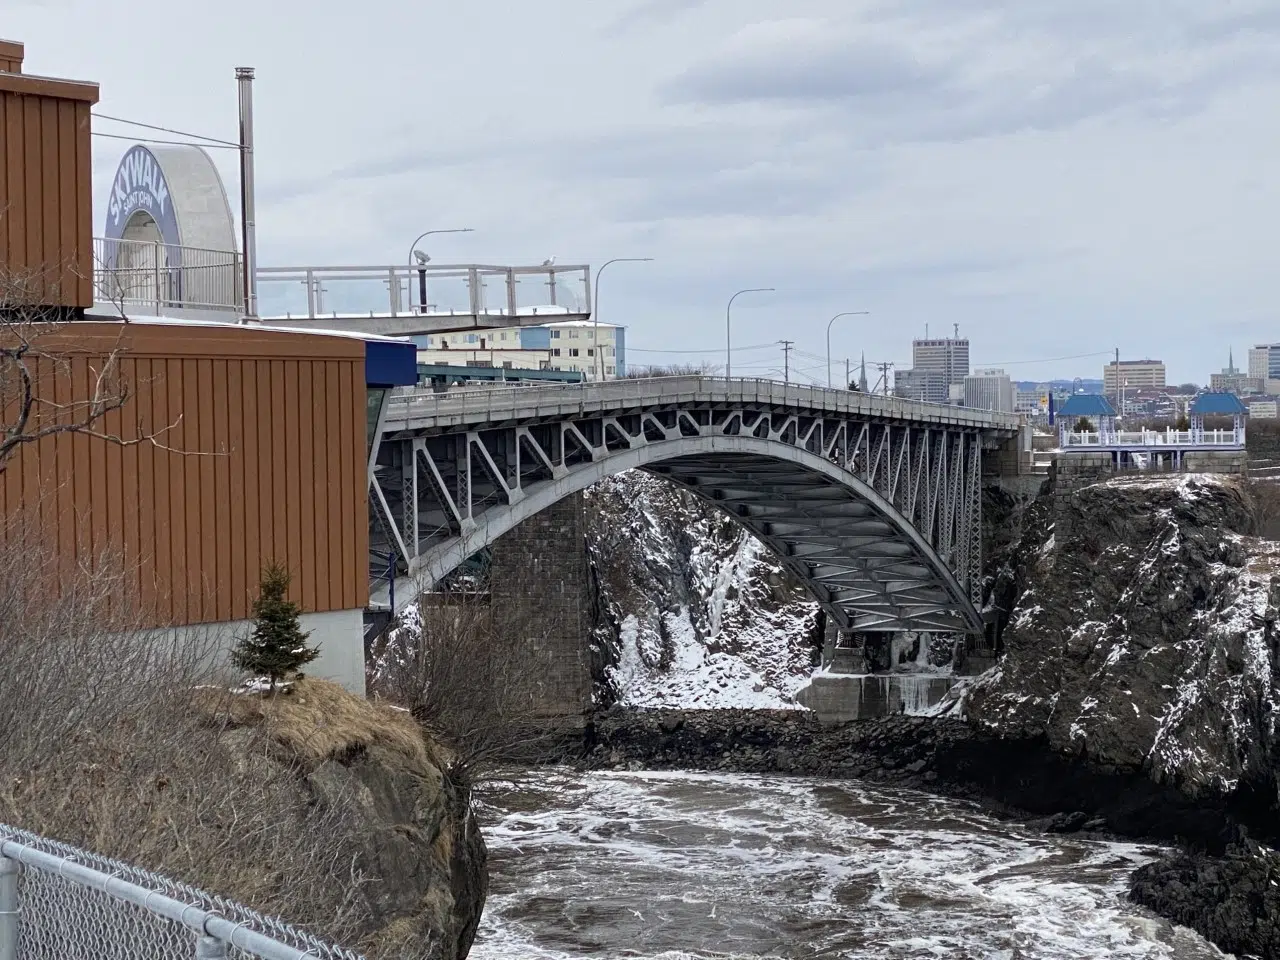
1142	639
692	611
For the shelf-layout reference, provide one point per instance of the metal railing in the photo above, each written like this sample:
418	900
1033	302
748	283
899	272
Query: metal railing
60	903
1154	438
464	290
132	274
421	402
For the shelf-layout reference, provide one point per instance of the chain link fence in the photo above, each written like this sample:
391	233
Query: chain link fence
60	903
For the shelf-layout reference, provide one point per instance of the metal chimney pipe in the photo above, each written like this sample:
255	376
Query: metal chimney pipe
248	224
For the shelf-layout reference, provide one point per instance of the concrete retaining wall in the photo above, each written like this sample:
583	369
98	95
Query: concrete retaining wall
837	698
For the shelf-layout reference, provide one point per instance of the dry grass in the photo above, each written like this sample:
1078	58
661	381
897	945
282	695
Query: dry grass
101	746
316	720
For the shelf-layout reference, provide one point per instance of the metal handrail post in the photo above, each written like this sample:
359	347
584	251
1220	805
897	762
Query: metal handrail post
9	912
511	293
155	271
473	291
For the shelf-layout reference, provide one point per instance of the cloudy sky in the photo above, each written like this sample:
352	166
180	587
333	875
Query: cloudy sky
1058	177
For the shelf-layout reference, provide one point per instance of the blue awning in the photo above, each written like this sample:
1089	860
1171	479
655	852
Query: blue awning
390	363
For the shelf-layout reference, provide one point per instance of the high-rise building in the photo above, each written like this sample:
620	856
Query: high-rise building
936	366
989	390
1264	361
1132	375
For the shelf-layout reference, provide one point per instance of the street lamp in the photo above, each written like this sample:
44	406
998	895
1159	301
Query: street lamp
595	309
728	328
850	313
422	262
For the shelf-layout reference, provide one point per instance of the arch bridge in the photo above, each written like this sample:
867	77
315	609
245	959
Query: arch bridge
873	502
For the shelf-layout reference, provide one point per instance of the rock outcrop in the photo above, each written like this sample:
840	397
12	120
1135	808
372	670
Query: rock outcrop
692	610
1143	640
411	853
1232	899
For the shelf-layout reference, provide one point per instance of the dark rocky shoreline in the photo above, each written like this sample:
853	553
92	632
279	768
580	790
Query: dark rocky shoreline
1217	880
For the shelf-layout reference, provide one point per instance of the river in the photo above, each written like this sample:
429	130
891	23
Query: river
673	865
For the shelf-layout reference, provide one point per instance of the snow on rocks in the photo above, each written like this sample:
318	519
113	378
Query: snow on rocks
1143	636
699	614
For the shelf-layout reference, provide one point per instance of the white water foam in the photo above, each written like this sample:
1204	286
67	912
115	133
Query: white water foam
672	865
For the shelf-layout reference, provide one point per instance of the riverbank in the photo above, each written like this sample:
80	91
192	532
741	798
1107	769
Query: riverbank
1217	881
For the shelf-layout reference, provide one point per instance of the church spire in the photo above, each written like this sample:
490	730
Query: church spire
862	377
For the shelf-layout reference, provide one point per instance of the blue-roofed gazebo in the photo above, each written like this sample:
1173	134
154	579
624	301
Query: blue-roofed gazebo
1217	404
1087	406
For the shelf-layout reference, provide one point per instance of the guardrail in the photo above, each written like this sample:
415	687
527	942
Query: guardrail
426	402
61	903
469	290
132	274
1154	438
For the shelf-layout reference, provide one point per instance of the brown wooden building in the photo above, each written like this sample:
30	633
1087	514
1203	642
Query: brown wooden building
258	453
46	202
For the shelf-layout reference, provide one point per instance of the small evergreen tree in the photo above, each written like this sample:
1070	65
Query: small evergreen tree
277	647
1084	425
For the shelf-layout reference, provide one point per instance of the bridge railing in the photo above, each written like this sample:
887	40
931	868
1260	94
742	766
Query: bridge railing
466	290
61	903
419	402
1153	438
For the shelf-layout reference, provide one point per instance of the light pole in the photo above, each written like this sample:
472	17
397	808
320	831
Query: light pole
728	327
849	313
422	262
595	307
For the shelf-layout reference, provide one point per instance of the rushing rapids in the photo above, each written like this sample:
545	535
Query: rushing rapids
677	865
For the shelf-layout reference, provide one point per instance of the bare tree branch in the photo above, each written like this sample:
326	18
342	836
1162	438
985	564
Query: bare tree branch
32	336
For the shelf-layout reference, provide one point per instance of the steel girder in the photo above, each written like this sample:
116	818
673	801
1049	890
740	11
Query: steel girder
880	520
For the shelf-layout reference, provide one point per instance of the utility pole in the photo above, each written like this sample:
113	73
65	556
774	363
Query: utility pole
786	359
884	374
248	216
847	372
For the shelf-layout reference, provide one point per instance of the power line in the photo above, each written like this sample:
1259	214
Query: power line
176	133
1018	363
757	346
178	143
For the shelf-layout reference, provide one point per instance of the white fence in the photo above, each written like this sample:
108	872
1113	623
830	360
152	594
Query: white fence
61	903
1154	438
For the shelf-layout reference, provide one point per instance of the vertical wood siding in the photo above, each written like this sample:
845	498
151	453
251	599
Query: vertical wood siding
272	430
46	203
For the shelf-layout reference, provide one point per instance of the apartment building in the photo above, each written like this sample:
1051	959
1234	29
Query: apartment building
1132	375
568	345
989	390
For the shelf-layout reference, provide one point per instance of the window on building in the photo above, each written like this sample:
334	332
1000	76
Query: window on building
472	338
590	352
591	334
573	351
555	351
504	334
555	335
573	334
609	371
506	364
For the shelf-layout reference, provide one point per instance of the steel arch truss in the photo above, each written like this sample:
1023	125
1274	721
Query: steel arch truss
881	521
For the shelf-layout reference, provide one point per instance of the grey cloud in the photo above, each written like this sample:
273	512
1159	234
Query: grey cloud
796	72
650	11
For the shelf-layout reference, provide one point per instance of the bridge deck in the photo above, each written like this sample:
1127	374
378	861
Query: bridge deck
424	411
